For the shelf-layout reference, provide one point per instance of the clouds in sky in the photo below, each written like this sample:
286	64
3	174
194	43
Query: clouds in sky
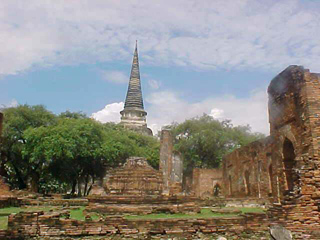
223	34
110	113
115	77
168	106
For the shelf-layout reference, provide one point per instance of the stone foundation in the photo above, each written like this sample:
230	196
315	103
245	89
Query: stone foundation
35	224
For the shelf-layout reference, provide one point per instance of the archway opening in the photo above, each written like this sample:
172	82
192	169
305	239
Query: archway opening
216	190
288	164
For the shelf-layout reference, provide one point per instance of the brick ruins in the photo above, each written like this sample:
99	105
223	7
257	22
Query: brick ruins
135	177
281	172
284	168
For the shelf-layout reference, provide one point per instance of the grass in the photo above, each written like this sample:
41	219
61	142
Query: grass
78	214
251	209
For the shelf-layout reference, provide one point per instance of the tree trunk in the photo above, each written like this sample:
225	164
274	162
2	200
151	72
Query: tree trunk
74	185
79	188
34	182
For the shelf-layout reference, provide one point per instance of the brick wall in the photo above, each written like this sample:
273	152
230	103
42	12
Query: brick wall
248	171
286	164
31	224
207	182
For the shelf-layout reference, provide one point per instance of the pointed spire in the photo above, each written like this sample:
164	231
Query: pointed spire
134	94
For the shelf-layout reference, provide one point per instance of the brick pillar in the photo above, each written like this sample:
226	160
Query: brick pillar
166	150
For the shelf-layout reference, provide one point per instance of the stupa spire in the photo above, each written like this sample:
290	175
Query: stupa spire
134	93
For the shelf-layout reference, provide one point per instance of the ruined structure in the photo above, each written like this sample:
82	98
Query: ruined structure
207	182
285	166
248	171
135	177
171	165
133	116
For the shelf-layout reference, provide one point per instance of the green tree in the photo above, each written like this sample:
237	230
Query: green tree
16	121
71	151
203	141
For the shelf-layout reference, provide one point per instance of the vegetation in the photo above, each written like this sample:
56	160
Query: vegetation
203	141
69	152
56	153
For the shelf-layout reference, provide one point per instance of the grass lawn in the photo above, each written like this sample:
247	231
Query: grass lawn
251	209
78	214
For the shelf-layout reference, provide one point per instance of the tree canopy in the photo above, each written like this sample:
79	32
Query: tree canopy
70	151
49	152
203	141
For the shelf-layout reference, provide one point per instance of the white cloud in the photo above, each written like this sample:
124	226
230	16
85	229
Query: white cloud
205	34
115	77
166	107
217	113
12	103
154	84
110	113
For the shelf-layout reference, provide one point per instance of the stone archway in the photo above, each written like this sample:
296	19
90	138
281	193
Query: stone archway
288	164
216	190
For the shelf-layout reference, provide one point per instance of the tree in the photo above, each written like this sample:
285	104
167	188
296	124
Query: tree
16	121
203	141
68	151
71	151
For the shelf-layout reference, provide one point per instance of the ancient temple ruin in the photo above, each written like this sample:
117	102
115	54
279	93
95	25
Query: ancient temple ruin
133	116
135	177
283	169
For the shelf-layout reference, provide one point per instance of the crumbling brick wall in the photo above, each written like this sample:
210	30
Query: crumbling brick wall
292	151
207	182
248	171
294	116
136	177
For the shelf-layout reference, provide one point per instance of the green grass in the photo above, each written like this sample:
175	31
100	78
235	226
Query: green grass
78	214
3	222
251	210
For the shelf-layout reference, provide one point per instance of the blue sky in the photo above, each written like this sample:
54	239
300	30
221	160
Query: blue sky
214	57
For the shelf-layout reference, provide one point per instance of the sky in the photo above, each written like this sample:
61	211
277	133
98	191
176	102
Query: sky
213	57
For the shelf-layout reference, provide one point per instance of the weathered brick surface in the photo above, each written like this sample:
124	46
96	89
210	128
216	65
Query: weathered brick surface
136	177
248	171
171	165
52	225
293	152
129	204
207	182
